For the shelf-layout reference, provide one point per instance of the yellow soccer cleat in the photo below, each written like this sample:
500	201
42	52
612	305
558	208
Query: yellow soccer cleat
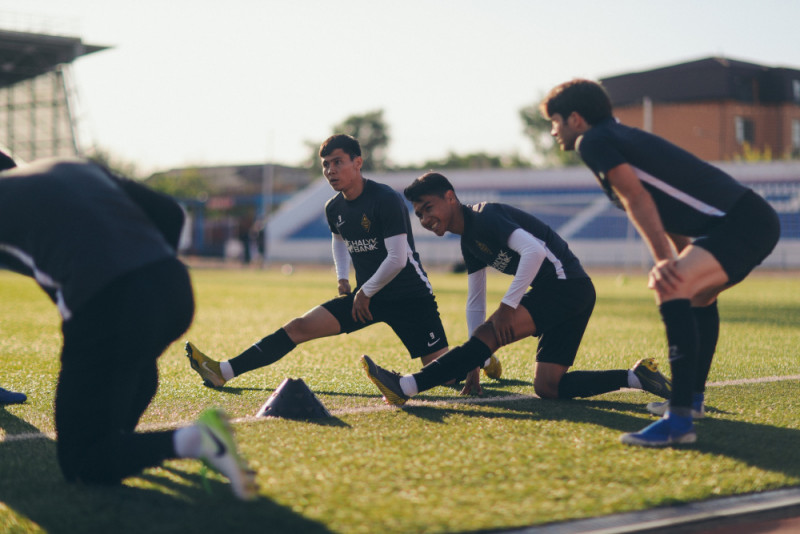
494	369
207	368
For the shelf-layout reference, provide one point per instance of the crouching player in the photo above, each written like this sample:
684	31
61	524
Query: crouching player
551	297
104	250
720	229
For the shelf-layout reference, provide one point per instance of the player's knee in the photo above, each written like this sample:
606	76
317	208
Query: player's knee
299	329
545	389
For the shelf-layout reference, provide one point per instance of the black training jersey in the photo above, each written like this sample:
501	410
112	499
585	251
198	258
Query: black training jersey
690	194
72	227
378	212
487	227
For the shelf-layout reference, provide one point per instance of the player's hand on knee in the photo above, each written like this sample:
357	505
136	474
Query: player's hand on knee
664	277
361	311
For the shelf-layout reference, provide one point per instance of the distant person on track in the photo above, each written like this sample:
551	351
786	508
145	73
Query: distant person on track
551	297
371	227
103	249
705	232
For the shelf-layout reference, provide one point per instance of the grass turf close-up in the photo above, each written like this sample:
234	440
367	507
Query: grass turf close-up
443	463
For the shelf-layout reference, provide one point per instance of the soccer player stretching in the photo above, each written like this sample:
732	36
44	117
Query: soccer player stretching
551	297
720	231
104	250
370	225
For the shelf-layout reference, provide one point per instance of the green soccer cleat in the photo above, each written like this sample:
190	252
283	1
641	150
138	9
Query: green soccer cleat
207	368
494	369
218	451
388	382
646	370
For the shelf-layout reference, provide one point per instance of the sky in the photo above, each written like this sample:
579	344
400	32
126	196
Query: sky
210	82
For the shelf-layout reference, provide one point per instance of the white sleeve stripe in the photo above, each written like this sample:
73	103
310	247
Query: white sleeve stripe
677	194
41	277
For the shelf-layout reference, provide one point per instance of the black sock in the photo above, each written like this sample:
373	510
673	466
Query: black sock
453	364
682	338
590	383
707	320
267	351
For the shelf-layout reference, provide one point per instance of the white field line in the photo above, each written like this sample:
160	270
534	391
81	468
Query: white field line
383	407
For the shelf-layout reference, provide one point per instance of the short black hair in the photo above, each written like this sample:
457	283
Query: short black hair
586	97
431	183
348	144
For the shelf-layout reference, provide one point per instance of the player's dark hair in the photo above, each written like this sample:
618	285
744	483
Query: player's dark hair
348	144
431	183
6	161
586	97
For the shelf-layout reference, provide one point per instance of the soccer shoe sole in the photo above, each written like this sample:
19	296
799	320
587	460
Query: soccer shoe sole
389	396
221	455
199	363
494	369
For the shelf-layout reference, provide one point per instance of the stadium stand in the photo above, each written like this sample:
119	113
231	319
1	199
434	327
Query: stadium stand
568	199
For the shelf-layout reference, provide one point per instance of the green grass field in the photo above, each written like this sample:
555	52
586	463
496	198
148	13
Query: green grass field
443	464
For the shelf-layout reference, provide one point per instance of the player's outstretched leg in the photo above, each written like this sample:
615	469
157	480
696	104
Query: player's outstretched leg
207	368
11	397
698	406
388	382
218	451
494	369
646	370
669	430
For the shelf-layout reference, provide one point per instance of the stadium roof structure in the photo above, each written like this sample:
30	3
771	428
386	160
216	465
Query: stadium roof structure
712	78
26	55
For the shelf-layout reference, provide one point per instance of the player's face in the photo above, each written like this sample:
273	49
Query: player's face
436	213
341	171
563	131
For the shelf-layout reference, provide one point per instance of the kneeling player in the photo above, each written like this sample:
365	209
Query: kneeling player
551	297
104	250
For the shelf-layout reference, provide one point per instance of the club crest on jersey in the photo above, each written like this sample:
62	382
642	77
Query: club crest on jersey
365	223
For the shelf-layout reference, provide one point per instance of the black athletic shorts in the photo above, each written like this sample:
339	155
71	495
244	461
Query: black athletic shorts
415	321
560	310
744	237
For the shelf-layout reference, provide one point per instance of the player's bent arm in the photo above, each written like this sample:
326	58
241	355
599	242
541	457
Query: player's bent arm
396	257
532	254
476	300
641	210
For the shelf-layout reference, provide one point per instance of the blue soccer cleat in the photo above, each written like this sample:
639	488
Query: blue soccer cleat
11	397
669	430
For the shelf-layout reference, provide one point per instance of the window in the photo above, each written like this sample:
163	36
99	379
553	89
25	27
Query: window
795	138
796	91
745	130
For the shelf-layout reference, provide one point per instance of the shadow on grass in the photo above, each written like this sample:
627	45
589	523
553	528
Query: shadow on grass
34	496
759	445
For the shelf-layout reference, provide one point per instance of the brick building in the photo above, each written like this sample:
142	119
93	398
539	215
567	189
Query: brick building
716	108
